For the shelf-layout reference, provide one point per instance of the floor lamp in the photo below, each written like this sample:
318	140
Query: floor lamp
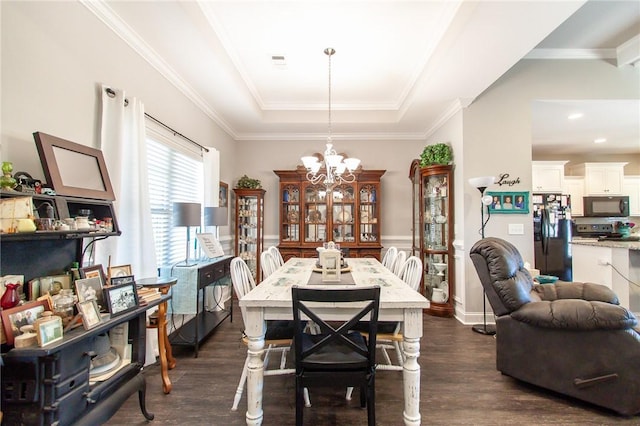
187	214
482	183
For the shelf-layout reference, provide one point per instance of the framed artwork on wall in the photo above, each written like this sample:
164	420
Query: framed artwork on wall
509	202
224	195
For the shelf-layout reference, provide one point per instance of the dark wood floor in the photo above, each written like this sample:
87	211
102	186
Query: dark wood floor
459	386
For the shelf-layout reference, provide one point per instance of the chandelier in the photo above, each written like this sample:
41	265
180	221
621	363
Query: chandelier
337	169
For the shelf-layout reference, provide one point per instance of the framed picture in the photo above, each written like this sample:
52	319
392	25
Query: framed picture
14	318
119	271
224	195
49	331
91	289
125	279
73	169
50	284
93	271
509	202
90	313
122	298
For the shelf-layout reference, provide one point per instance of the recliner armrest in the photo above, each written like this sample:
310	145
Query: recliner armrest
576	290
575	314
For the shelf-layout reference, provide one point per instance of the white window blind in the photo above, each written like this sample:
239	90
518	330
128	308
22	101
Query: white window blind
175	175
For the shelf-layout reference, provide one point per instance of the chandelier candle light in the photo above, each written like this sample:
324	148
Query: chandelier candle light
337	169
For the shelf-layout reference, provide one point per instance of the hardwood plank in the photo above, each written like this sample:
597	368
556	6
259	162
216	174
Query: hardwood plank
459	386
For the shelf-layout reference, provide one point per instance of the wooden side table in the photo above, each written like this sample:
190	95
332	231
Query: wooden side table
167	361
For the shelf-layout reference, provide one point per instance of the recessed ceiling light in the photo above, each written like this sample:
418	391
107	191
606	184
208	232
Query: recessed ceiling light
575	116
600	140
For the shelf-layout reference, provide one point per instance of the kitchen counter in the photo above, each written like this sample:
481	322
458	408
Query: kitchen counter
611	263
629	245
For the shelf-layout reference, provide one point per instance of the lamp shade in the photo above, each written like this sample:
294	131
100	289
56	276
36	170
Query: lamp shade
186	214
215	216
482	182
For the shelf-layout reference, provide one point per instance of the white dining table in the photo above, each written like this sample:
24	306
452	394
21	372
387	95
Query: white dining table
271	300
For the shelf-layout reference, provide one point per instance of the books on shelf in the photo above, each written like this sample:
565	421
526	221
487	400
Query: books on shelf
146	294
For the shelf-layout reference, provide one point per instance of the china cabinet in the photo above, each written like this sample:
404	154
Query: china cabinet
249	225
348	215
433	220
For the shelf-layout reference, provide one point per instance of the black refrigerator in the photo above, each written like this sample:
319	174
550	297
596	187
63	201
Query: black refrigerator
552	230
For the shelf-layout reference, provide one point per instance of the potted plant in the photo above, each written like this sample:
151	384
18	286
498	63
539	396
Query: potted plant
436	154
245	182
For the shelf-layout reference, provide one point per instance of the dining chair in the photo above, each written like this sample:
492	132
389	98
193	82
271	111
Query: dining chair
389	258
275	252
268	264
278	336
338	356
399	262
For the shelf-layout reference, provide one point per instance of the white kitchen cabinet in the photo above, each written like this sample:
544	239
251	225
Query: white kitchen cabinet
574	186
547	176
631	187
601	178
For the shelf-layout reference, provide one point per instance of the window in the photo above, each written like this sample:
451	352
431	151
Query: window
175	175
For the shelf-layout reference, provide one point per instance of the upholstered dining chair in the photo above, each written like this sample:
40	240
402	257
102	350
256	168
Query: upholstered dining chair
268	264
275	252
399	262
389	258
278	337
338	356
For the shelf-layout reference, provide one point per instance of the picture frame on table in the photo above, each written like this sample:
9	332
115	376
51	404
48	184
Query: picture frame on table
92	272
119	271
223	195
90	313
91	288
50	284
122	298
18	316
509	202
124	279
49	331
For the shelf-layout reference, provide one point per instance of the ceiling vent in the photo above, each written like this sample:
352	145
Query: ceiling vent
278	60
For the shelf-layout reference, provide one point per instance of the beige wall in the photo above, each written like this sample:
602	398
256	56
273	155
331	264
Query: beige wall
55	55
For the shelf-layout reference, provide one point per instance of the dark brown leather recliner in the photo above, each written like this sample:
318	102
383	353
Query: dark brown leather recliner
573	338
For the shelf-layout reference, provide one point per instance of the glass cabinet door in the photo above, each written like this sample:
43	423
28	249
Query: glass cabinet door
249	227
436	212
343	214
315	214
290	213
369	231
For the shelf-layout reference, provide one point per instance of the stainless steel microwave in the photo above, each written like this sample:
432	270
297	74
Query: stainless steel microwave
607	206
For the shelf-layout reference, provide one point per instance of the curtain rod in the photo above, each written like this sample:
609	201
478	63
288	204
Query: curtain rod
111	93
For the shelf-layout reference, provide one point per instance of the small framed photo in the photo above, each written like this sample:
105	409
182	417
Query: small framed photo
92	272
91	288
224	195
509	202
49	331
14	318
52	284
125	279
122	298
90	313
120	271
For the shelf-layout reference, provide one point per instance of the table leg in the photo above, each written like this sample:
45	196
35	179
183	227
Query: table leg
255	375
164	347
411	368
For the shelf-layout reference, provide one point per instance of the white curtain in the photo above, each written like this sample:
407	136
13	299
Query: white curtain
124	148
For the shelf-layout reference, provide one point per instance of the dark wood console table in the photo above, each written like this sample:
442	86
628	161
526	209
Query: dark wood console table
192	281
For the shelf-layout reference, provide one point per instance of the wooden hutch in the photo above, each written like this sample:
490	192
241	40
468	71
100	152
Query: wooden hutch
349	215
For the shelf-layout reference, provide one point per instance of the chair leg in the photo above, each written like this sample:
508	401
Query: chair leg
363	396
307	400
371	402
385	355
399	353
299	398
349	393
240	389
